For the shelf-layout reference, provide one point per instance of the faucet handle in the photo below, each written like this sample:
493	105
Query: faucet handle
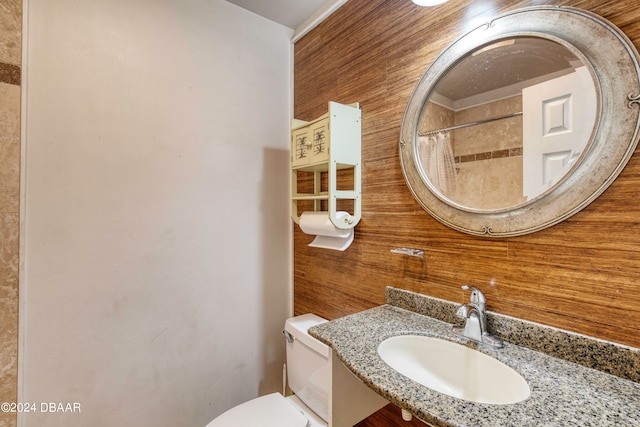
476	297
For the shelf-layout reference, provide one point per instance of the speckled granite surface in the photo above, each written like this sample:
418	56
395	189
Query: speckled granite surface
562	393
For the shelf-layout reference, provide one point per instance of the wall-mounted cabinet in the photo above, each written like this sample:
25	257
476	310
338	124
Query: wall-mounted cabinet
310	143
326	145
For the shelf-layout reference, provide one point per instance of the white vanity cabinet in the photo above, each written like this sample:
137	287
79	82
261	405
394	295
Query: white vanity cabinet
330	143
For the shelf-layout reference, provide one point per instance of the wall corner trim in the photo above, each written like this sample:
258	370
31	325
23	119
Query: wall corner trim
314	20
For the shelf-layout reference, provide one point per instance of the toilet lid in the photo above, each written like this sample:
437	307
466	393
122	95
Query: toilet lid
271	410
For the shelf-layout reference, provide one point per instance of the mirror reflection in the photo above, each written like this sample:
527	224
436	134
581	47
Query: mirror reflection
506	123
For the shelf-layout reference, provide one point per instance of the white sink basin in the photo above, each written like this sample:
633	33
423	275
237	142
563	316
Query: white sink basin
454	369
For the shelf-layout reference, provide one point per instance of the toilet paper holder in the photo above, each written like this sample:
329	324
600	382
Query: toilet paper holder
328	236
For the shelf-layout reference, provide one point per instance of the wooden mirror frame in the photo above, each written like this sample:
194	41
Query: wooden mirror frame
614	64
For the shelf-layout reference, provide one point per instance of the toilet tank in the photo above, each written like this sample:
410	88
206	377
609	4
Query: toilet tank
308	369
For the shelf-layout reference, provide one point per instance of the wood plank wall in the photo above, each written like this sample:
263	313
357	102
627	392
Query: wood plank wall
581	275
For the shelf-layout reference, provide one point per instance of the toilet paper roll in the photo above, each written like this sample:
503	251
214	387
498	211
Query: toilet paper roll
318	223
328	235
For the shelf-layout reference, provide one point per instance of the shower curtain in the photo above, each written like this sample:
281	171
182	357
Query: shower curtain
438	162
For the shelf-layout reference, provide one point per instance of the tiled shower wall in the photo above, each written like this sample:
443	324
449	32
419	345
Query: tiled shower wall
10	62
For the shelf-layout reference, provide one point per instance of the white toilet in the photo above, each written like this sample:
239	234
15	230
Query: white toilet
326	393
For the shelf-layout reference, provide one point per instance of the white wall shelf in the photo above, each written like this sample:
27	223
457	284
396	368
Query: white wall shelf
329	143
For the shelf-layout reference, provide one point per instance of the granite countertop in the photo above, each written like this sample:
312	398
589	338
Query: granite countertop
563	393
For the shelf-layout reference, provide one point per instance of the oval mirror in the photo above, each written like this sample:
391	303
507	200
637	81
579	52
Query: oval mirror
521	122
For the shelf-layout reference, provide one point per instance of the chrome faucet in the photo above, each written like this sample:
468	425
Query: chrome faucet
475	317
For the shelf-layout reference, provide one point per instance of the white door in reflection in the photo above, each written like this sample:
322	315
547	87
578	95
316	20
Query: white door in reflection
558	117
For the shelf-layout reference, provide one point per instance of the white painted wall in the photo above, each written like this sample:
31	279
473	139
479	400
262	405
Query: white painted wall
156	274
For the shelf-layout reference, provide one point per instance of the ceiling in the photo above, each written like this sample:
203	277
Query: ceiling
503	68
290	13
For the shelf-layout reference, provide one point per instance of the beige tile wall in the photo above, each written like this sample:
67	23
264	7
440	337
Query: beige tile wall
10	61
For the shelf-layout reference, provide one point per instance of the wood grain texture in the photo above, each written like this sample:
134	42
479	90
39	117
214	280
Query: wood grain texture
582	275
388	416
